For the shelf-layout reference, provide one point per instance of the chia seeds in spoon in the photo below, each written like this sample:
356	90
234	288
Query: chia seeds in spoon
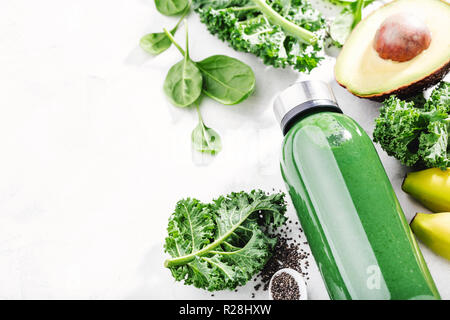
284	287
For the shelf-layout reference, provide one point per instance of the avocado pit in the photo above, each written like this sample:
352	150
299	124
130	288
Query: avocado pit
401	37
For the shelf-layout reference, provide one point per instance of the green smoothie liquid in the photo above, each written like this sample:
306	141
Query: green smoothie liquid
353	221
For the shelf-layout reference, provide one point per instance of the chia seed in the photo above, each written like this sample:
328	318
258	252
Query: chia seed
286	254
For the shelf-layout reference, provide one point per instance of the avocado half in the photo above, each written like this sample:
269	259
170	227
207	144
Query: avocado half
364	73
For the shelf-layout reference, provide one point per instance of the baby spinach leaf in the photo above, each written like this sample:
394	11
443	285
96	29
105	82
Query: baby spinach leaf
226	80
183	83
171	7
155	43
204	139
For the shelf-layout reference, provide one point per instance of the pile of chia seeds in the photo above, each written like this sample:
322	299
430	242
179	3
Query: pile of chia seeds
288	253
284	287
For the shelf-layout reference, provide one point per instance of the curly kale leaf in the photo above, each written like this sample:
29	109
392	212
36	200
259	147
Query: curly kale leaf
282	33
414	132
440	98
223	244
434	145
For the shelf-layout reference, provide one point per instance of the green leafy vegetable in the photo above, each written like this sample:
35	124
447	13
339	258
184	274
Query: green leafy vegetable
415	133
341	27
223	244
226	80
155	43
278	18
223	78
282	33
204	139
158	42
171	7
350	16
183	84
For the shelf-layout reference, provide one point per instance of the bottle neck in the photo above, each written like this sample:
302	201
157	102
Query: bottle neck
305	109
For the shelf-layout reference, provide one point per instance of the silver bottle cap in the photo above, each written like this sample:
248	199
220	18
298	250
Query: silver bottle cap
301	98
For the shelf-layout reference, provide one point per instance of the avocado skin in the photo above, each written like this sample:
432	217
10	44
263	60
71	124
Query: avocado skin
411	89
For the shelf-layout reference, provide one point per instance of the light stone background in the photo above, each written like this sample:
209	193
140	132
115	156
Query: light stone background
93	158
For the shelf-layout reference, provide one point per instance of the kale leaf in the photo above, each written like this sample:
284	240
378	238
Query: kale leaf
350	16
282	33
223	244
416	132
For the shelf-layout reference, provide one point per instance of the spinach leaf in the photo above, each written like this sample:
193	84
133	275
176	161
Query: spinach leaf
171	7
222	78
226	80
183	83
155	43
205	139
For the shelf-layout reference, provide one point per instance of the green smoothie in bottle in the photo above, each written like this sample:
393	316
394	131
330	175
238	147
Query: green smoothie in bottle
347	207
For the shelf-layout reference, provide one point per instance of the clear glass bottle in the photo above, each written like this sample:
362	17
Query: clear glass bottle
347	207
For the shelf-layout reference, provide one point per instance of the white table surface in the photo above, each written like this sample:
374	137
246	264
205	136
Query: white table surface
93	157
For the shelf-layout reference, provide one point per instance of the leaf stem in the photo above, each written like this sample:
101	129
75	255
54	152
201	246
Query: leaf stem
290	27
186	55
197	107
172	39
237	9
185	13
358	13
230	245
226	252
